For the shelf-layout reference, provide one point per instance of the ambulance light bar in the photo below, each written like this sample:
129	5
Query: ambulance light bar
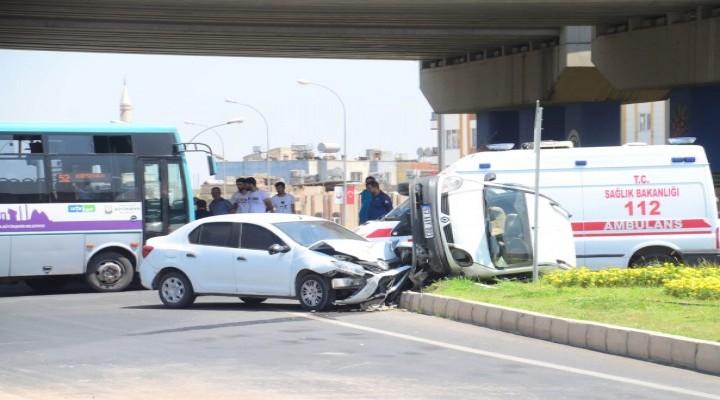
681	140
500	146
683	159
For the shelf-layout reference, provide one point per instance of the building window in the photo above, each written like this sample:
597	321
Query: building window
644	122
451	139
473	138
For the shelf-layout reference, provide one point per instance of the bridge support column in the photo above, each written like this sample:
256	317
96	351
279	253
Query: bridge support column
497	127
694	112
586	124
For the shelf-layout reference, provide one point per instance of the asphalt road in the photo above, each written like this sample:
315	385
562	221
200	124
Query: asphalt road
83	345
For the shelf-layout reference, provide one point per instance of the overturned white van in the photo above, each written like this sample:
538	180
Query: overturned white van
471	226
631	205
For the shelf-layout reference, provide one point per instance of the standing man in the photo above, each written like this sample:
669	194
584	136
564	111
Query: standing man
380	204
258	200
365	197
219	206
240	198
201	209
283	202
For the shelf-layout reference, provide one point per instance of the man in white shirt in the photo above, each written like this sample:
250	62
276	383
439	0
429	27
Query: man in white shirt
258	200
283	202
240	198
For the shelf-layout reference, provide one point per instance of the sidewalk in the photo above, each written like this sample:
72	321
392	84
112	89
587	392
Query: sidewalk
676	351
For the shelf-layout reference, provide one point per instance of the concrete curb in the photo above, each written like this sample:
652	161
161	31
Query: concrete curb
676	351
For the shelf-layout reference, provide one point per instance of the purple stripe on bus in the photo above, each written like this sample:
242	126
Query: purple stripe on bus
68	226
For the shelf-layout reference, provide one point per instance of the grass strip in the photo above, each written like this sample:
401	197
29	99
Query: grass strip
636	307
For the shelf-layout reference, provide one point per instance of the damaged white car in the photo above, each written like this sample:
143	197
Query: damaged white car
261	256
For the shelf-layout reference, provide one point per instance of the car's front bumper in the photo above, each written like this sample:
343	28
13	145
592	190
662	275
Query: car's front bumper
374	286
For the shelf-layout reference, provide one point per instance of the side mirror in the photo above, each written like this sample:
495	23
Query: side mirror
212	165
278	248
403	188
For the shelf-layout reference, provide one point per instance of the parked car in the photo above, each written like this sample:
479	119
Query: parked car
260	256
394	226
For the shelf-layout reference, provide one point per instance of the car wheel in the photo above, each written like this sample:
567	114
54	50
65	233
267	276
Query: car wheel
314	293
253	300
175	290
109	272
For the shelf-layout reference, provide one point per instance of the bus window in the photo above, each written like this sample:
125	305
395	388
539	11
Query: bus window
176	194
91	179
152	208
70	144
21	144
22	179
7	144
112	144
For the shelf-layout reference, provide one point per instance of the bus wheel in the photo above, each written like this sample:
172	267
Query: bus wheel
109	272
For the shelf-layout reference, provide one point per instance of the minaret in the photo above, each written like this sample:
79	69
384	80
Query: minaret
125	105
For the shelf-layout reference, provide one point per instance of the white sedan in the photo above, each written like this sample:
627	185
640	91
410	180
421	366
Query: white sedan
260	256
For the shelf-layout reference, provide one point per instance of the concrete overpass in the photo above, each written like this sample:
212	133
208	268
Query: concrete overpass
491	57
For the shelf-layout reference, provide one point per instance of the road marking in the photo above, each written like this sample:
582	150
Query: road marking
521	360
354	366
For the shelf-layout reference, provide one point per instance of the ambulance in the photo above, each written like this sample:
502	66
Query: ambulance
631	205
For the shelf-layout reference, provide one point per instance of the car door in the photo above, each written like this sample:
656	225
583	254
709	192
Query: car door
211	257
258	271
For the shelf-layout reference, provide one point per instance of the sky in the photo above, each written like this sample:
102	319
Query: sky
385	108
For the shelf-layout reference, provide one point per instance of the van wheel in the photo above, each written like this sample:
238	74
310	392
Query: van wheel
109	272
653	258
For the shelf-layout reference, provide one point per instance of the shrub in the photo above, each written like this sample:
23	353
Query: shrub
680	281
698	287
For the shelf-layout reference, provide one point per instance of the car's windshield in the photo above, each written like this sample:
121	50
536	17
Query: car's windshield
396	213
309	232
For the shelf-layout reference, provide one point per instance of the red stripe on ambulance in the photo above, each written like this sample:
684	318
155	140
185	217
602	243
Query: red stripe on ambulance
380	233
641	227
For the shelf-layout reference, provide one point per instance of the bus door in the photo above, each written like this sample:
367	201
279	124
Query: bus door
165	204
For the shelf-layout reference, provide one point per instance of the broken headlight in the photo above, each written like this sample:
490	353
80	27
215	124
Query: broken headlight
383	264
348	268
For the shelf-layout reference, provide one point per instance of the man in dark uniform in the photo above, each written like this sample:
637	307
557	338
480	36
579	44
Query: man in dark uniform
380	204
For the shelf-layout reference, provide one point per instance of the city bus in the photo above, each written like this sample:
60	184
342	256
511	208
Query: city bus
81	199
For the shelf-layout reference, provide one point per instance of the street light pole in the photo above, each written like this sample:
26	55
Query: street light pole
222	143
343	214
232	121
267	139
